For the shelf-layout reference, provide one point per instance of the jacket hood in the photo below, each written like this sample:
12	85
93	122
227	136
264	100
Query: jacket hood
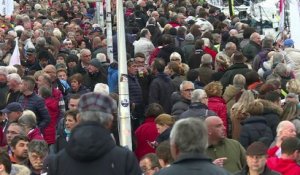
89	141
270	107
254	119
230	93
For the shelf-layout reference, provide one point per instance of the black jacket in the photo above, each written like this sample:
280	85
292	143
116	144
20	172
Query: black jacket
92	150
192	164
254	129
237	68
267	171
197	109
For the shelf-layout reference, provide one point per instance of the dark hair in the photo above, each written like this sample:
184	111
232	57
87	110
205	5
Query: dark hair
5	161
30	80
144	32
72	113
192	75
199	44
77	77
16	140
163	151
251	77
248	32
290	145
159	65
75	96
153	159
167	39
238	57
154	110
39	147
272	96
139	54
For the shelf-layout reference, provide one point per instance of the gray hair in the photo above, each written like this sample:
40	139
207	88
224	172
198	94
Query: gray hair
28	119
197	95
101	117
101	88
239	81
189	135
22	132
11	69
41	41
184	83
14	76
282	126
39	147
281	69
84	51
3	71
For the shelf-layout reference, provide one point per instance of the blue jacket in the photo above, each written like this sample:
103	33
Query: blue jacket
112	79
36	104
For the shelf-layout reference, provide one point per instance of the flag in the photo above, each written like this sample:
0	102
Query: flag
281	13
294	19
15	57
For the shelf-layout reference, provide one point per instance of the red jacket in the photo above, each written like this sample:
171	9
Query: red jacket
2	142
272	151
218	105
144	134
51	104
35	134
283	166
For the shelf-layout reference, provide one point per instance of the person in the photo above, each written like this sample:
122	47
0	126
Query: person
31	101
149	164
198	107
95	74
186	89
161	88
13	111
37	152
144	44
147	132
253	47
29	123
13	82
227	153
77	87
91	149
12	131
5	164
287	163
63	136
163	152
284	130
256	157
164	124
19	149
188	142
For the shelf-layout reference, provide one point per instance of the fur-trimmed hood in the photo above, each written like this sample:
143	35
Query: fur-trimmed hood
270	107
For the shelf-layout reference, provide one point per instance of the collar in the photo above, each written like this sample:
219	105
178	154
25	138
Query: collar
191	156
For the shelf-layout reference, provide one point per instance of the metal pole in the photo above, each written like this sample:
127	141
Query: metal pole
124	111
109	32
100	18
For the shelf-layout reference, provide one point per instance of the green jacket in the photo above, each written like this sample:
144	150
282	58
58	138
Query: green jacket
232	150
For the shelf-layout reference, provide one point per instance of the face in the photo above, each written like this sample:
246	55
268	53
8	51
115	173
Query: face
11	84
146	167
256	162
36	161
176	60
12	132
73	103
217	129
30	58
231	50
288	131
72	64
62	75
257	39
70	122
187	90
21	149
75	85
51	72
132	69
92	69
161	128
204	100
168	71
60	60
43	62
68	45
13	116
139	61
86	57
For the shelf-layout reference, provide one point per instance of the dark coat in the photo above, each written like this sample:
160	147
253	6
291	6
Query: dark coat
166	51
197	109
251	50
238	68
90	80
135	90
36	104
205	74
195	59
192	164
91	150
180	106
160	92
267	171
254	129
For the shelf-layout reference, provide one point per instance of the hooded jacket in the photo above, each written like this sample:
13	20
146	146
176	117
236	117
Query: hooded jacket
283	166
92	150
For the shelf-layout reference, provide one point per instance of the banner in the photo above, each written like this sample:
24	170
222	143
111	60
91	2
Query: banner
295	22
15	57
281	13
6	7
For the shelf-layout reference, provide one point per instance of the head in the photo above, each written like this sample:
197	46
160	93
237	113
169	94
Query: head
132	67
85	56
290	147
19	147
163	152
188	136
163	122
149	164
94	66
73	101
44	80
238	57
13	110
256	157
255	37
175	57
139	59
293	86
145	33
255	108
290	110
76	81
14	81
28	121
173	68
27	85
154	110
239	81
285	129
13	130
51	71
186	89
37	152
216	129
199	95
159	65
214	89
5	163
62	74
98	108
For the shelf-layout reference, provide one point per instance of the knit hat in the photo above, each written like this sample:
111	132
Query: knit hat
96	102
96	63
288	43
189	37
257	148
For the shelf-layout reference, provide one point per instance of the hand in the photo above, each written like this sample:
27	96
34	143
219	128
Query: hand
220	161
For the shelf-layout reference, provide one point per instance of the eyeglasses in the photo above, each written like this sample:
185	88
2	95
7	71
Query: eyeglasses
175	59
188	90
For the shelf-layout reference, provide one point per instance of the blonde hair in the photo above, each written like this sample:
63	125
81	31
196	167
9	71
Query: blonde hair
214	89
165	119
293	86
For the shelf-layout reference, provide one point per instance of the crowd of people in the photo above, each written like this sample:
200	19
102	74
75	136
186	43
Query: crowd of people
207	93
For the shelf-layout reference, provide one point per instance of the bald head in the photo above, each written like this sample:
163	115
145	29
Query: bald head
255	37
211	120
216	129
51	71
286	129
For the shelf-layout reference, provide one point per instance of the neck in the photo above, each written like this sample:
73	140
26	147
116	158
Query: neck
19	160
285	156
213	141
26	93
257	172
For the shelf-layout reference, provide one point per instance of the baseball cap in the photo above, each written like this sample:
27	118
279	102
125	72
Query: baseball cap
288	42
12	107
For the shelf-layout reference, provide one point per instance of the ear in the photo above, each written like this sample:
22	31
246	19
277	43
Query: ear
2	168
78	118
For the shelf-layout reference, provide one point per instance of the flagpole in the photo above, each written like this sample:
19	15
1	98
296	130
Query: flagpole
99	9
124	107
109	32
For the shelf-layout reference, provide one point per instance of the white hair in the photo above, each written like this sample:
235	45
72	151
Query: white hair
101	88
11	69
14	76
